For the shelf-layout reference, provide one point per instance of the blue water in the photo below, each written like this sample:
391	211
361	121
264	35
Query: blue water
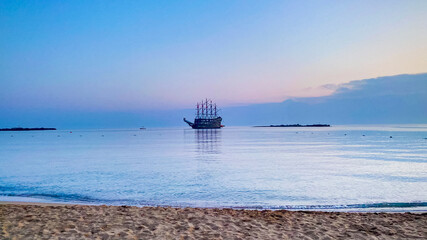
240	167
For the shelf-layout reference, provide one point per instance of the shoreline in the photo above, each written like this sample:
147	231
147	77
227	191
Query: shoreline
326	208
56	220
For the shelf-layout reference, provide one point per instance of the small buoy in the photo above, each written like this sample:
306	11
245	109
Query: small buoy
391	137
345	134
71	132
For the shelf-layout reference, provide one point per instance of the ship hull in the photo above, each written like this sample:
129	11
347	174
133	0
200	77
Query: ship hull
205	123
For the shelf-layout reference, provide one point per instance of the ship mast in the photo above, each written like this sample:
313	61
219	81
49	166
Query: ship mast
198	111
203	109
206	110
210	109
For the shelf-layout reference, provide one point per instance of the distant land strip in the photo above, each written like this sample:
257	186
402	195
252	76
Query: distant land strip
297	125
26	129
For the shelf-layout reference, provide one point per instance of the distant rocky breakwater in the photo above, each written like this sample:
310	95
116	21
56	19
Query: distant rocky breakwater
297	125
26	129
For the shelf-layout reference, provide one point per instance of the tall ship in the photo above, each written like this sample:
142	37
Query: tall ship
206	116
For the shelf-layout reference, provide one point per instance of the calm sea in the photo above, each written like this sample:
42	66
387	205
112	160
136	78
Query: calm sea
338	168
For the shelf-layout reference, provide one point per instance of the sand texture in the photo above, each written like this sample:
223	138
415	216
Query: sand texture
113	222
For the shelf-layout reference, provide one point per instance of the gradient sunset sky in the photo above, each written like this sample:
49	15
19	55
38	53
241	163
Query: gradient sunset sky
132	55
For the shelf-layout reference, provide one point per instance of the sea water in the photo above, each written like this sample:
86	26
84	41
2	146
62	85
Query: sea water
335	168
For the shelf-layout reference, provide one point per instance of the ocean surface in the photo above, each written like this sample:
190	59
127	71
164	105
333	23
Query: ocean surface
341	168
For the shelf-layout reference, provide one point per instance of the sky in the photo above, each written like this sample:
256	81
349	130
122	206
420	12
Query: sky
400	99
127	56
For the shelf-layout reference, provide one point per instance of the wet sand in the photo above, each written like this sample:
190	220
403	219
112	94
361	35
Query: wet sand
61	221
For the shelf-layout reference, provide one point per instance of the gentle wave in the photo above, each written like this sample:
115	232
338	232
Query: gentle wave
80	199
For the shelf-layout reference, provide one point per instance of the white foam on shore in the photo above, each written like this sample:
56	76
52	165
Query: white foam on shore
37	201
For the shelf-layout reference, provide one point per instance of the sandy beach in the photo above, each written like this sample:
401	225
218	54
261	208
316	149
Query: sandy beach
60	221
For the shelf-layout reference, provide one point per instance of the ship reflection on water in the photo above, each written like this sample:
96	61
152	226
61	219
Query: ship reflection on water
208	141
